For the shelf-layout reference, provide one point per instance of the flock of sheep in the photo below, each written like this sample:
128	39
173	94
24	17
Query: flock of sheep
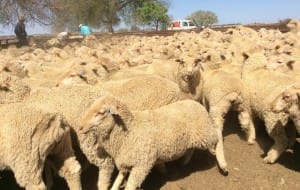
135	102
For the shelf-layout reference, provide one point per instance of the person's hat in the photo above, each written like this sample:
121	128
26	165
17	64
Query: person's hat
21	18
80	25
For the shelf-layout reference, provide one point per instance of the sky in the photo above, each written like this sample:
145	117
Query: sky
238	11
227	11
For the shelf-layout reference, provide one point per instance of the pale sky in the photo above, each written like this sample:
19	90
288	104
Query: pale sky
227	11
239	11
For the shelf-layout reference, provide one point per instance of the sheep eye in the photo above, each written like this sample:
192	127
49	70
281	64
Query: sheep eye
286	97
102	111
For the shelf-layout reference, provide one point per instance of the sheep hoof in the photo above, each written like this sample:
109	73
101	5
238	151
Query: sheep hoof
268	160
251	141
224	171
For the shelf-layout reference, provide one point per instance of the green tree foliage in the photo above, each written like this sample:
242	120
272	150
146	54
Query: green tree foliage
68	14
152	13
95	13
203	18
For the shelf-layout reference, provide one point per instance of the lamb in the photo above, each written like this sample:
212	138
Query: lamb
31	133
137	140
217	90
271	85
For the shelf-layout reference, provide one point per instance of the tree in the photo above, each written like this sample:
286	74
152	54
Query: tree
38	11
203	18
68	14
152	13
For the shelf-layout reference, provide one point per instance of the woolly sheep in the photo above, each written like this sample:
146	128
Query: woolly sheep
144	92
217	90
271	84
73	101
82	72
14	68
29	134
214	89
12	89
137	140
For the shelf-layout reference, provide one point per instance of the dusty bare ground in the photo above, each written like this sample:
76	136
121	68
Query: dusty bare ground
247	171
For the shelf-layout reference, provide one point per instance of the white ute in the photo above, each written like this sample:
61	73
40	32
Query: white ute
182	25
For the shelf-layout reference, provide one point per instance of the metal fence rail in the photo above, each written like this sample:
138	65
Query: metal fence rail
5	41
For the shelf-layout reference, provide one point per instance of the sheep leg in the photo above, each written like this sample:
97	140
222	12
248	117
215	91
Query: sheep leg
187	157
105	172
50	171
105	164
118	181
137	176
220	154
247	125
218	120
291	134
280	142
71	171
68	167
218	113
161	168
97	156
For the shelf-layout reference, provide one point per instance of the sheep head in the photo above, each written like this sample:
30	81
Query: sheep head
188	73
288	101
105	114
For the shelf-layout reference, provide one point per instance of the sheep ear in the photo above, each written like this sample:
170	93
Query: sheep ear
298	95
290	64
113	110
180	61
280	103
246	56
197	61
208	58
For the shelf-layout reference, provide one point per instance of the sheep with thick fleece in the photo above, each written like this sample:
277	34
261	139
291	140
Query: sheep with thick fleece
72	102
12	89
29	134
271	84
164	69
217	90
137	140
144	92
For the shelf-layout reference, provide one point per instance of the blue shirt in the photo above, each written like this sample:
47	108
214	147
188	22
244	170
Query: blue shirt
85	30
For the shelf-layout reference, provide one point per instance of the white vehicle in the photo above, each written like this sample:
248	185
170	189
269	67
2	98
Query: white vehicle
182	25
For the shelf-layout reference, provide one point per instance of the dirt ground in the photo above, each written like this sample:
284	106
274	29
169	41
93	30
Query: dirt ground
246	168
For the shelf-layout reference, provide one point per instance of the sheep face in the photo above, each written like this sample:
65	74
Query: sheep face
72	78
102	116
288	101
188	68
188	74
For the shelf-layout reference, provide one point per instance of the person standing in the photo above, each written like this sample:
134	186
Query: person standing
85	30
20	32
